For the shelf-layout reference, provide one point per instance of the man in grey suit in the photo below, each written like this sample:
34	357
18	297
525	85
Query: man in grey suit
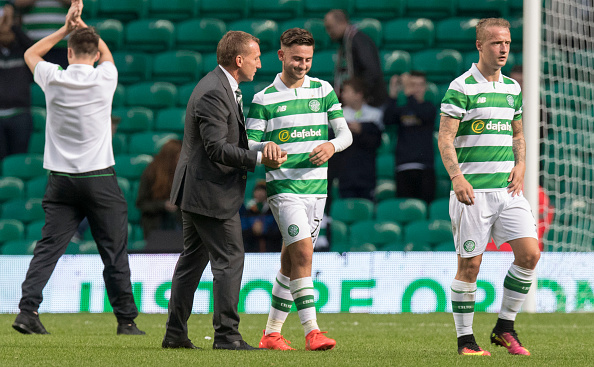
209	187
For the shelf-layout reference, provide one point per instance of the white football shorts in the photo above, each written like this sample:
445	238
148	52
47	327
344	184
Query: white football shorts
298	217
494	214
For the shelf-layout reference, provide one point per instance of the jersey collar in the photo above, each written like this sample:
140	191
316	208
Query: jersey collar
281	87
476	73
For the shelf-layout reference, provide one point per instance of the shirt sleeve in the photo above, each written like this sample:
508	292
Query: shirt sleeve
344	137
44	73
455	102
108	69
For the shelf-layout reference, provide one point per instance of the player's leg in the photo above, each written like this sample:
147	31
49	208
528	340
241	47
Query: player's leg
471	229
515	225
280	306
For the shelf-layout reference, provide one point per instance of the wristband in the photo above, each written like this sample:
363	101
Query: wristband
454	176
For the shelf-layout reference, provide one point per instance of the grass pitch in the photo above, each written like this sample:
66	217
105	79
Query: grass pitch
362	340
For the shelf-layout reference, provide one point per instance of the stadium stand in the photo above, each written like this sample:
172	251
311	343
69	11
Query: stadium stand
11	230
433	9
123	10
11	188
173	10
132	67
275	9
177	66
150	35
351	210
200	35
313	25
134	119
409	34
401	210
378	9
25	166
226	10
110	30
24	210
153	95
265	30
430	231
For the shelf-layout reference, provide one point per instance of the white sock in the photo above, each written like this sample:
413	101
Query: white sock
515	287
282	300
303	293
463	295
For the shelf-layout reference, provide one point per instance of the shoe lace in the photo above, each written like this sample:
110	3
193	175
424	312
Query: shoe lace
282	338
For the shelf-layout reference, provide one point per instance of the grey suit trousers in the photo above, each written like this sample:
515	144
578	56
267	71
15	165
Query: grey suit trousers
220	242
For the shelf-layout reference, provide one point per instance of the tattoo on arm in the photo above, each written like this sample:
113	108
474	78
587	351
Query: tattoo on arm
448	128
518	144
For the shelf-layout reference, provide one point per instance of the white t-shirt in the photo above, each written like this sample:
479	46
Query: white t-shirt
78	126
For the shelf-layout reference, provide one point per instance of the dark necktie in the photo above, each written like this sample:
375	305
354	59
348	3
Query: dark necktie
239	101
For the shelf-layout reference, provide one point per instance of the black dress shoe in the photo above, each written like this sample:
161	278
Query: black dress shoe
129	329
187	344
236	345
28	323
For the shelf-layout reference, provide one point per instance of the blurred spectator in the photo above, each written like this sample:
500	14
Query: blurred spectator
41	18
357	57
16	124
415	119
157	212
260	232
355	167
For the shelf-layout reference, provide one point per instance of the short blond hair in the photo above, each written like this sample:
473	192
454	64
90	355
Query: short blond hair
483	24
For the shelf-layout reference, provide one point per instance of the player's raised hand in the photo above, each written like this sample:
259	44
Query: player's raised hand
516	179
271	151
73	16
463	190
321	153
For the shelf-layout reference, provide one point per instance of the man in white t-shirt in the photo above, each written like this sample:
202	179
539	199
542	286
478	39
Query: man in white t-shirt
82	182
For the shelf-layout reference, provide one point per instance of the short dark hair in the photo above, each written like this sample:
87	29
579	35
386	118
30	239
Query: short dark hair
297	36
339	15
356	83
418	73
84	41
232	44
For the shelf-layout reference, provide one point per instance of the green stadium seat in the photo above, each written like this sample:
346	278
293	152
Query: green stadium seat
483	9
173	10
37	96
33	230
372	28
517	33
315	26
408	34
323	65
25	210
351	210
177	66
18	247
339	240
150	35
125	186
119	142
431	231
90	9
265	30
418	246
110	30
171	120
516	8
275	9
318	9
209	63
377	233
133	67
401	210
131	166
25	166
35	187
250	89
226	10
384	166
379	9
385	190
456	33
388	143
87	248
440	209
365	247
119	96
183	94
134	119
433	9
136	246
445	246
151	94
11	230
148	142
440	65
39	115
201	35
123	10
36	143
11	188
394	63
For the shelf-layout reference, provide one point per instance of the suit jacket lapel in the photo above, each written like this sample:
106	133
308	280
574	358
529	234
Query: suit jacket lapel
230	93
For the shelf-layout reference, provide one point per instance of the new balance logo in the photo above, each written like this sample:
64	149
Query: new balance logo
482	99
281	109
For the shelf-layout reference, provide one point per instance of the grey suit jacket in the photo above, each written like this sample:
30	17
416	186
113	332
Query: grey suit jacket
211	173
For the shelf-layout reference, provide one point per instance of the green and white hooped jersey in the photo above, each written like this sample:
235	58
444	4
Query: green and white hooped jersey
297	120
484	139
43	18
